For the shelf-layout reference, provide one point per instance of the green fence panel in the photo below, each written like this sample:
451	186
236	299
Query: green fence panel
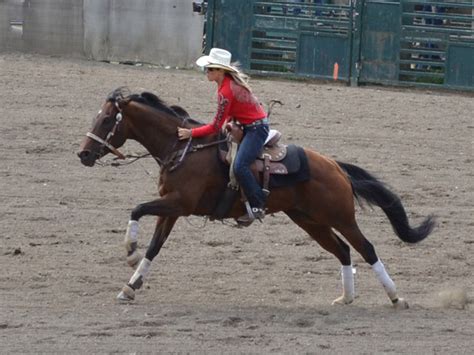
401	42
301	38
431	44
380	42
229	27
318	55
460	67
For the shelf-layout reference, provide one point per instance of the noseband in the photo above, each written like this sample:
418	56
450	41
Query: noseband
106	142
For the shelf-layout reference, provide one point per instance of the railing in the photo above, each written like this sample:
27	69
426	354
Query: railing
394	42
428	31
278	25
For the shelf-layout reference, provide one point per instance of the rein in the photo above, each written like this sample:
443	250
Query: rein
105	143
181	153
188	149
166	162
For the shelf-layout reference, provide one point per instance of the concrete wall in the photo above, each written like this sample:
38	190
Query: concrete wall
53	27
164	32
4	26
11	36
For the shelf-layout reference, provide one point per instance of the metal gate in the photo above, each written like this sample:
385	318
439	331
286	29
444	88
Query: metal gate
377	60
414	42
284	37
437	43
305	39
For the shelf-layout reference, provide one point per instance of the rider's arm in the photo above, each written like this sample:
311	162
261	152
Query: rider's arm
222	115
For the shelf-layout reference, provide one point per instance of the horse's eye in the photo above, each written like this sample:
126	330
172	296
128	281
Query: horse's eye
109	119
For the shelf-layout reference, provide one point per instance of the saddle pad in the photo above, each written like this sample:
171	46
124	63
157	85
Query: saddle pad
297	165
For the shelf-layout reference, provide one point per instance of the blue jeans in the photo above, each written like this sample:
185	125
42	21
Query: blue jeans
249	149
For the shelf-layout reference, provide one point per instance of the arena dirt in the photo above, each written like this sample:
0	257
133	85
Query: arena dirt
214	288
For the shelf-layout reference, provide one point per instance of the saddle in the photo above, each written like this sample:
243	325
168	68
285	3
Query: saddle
279	165
270	160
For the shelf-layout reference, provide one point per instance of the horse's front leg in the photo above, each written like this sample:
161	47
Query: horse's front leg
162	231
165	206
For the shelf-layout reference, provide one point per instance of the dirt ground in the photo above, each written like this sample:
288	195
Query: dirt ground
214	288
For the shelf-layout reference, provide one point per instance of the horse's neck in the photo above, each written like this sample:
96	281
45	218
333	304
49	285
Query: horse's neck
155	130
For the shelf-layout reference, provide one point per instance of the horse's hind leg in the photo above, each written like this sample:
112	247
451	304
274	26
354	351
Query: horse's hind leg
324	235
355	237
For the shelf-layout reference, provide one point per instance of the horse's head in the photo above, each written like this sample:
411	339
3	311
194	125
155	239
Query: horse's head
107	133
143	117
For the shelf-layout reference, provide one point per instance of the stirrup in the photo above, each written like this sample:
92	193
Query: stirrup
247	219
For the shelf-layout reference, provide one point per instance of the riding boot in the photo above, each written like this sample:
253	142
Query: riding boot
253	214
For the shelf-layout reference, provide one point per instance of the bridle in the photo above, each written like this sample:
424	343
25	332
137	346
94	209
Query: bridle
172	161
106	142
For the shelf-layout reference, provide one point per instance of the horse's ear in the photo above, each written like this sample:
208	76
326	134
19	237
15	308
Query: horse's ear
122	102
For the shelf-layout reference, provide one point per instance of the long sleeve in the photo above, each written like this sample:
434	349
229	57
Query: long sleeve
222	115
233	101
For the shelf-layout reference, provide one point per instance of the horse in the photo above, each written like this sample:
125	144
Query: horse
323	205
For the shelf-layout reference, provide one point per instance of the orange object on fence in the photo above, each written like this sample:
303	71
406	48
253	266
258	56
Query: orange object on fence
335	72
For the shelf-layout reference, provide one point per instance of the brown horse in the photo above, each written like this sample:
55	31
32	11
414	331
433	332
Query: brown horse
320	206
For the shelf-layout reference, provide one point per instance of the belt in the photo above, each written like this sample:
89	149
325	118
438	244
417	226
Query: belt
256	123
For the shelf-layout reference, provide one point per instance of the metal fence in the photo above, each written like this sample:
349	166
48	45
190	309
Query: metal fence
407	42
437	42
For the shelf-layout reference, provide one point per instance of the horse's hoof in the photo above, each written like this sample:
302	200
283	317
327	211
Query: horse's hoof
127	294
134	259
342	300
400	304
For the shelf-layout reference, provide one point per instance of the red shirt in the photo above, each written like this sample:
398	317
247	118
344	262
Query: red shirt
233	101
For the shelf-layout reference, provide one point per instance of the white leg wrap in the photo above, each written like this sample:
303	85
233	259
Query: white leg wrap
131	235
347	274
385	280
348	293
142	270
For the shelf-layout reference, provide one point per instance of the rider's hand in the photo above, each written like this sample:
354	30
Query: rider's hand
184	133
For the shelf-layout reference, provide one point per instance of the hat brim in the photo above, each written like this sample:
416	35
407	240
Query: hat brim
206	62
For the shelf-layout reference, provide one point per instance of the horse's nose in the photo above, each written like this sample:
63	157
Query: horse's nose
85	156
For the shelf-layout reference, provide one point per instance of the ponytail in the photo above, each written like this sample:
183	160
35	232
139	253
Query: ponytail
239	77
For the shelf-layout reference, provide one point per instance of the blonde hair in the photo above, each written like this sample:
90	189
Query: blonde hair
239	77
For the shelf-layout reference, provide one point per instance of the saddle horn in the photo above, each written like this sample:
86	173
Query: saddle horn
271	104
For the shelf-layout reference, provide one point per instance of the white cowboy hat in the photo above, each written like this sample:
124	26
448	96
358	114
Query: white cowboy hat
217	58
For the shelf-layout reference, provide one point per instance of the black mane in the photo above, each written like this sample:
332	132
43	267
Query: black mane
149	99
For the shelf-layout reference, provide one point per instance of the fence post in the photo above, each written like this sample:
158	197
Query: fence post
210	18
357	7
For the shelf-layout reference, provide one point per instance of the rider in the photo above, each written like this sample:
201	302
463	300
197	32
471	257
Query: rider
236	100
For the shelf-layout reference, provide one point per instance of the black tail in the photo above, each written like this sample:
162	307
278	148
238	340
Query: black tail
376	193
